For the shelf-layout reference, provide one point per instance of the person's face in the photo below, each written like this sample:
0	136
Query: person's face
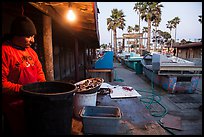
25	41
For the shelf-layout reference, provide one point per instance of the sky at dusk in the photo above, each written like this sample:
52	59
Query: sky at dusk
189	27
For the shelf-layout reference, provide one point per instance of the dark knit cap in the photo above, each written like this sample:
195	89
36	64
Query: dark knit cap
22	26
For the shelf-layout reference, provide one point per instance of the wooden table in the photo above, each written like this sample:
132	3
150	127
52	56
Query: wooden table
106	74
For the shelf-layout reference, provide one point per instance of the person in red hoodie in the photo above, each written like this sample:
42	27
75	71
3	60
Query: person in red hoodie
20	66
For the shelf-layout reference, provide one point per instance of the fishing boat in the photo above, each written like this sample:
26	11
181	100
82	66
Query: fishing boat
173	74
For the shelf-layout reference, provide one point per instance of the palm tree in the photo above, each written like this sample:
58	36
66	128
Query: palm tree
163	38
176	21
166	36
115	21
156	23
144	31
137	29
160	38
170	26
137	9
154	38
147	13
130	29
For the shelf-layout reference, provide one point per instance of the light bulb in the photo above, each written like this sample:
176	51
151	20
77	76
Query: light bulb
70	15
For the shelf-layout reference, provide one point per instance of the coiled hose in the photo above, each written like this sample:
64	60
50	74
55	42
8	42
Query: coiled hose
154	98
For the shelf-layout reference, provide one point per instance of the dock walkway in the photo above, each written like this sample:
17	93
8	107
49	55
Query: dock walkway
183	115
181	105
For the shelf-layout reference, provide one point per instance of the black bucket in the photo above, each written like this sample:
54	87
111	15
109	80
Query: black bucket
48	108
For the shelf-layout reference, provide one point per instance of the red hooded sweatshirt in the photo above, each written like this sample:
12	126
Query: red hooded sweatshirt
20	66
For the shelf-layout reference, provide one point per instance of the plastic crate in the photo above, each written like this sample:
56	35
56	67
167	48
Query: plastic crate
100	119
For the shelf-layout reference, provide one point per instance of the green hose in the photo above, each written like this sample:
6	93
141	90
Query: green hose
151	99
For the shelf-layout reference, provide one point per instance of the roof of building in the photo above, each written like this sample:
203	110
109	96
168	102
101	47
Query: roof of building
187	45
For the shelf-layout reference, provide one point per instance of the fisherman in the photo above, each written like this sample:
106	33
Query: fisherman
20	66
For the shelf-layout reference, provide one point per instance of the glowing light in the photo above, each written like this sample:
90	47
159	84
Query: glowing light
70	15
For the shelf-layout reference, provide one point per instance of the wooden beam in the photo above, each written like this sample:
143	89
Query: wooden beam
99	70
39	7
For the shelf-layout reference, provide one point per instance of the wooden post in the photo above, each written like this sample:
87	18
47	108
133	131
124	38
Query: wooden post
89	58
76	54
47	43
85	61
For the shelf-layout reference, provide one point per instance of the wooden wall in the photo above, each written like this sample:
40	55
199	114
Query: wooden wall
186	53
62	41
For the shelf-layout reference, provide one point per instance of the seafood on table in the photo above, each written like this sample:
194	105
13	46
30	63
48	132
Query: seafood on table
89	84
